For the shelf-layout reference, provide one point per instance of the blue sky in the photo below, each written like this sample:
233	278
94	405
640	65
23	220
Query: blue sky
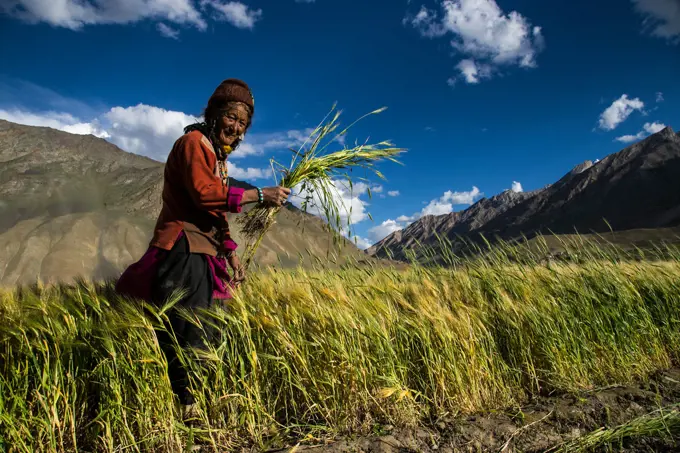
485	95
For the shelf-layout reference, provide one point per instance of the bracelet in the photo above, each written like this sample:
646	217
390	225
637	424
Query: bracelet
260	196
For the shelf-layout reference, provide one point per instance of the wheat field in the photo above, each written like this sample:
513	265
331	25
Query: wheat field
313	353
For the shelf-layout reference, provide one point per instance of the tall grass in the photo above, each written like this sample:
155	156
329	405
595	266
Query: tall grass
308	353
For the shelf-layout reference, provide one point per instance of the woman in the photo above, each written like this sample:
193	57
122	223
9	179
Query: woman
191	245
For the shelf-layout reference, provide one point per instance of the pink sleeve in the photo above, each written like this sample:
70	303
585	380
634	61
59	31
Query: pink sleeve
234	198
229	244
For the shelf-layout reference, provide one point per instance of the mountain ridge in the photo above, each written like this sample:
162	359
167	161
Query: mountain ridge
581	200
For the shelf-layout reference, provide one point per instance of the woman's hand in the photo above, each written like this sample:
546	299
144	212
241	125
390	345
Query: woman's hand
272	196
239	271
276	196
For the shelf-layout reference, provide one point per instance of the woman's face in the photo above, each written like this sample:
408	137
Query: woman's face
232	124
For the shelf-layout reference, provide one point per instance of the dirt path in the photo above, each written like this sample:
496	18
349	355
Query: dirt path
539	426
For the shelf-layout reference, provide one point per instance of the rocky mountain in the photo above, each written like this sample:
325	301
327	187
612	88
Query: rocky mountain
74	205
635	188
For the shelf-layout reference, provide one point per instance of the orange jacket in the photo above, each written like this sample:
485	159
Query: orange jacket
194	198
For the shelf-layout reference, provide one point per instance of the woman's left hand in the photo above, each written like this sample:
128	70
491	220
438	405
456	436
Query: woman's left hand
239	271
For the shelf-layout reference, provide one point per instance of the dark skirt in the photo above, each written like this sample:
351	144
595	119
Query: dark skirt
175	269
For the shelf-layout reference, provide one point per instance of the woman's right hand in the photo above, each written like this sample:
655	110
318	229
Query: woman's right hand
276	196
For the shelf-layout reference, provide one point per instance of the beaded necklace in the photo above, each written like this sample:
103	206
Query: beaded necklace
222	167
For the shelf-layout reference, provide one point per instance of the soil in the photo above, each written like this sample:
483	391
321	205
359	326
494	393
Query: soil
546	422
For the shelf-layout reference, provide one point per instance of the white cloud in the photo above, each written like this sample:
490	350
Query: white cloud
168	32
630	138
426	22
248	173
659	97
147	130
76	14
484	33
259	144
438	206
351	208
473	72
647	129
653	128
56	120
236	13
661	16
361	243
141	129
445	203
393	193
379	232
517	186
619	111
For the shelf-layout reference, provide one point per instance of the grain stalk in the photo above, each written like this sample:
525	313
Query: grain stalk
313	172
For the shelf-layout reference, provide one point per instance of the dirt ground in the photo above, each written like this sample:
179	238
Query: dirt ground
543	424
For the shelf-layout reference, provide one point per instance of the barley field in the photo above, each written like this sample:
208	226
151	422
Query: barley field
308	354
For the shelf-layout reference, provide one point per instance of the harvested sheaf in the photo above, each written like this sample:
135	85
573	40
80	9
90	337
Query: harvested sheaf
312	354
312	171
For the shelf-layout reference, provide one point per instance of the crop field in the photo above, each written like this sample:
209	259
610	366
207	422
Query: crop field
306	357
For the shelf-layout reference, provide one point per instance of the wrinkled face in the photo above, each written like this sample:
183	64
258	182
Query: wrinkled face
232	123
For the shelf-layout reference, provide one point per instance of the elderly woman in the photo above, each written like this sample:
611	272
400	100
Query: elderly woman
191	245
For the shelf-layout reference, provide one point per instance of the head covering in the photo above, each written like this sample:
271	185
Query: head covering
231	90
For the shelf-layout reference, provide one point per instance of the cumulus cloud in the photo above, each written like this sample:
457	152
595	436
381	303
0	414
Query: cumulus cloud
236	13
438	206
147	130
352	209
76	14
488	37
653	128
662	17
445	203
379	232
472	72
393	193
55	120
259	144
516	187
361	243
647	129
248	173
619	111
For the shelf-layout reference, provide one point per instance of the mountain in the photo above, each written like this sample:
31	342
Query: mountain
78	206
635	188
426	229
